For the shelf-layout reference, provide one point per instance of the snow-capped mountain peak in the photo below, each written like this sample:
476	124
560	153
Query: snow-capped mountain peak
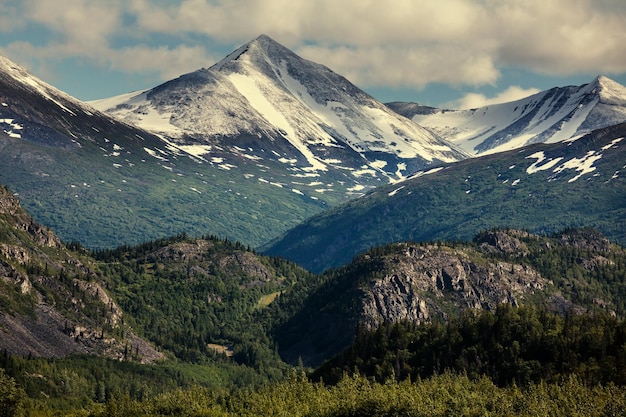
266	99
549	116
610	92
259	48
26	80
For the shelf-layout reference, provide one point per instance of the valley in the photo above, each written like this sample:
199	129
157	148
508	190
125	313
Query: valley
222	242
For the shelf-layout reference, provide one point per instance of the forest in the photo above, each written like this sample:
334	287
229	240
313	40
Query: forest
190	297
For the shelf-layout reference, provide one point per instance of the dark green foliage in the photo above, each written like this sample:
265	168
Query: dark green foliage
583	265
84	381
511	346
87	196
467	197
440	396
184	294
12	397
582	268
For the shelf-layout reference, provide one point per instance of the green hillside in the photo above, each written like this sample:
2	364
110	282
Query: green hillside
205	326
541	188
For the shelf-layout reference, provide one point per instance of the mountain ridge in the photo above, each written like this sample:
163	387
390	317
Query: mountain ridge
328	122
541	188
52	303
557	114
105	182
409	282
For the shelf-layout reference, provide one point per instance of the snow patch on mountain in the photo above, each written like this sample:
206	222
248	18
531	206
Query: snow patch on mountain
536	166
137	110
249	87
583	165
11	128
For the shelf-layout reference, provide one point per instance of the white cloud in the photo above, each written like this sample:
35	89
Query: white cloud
10	18
373	43
410	43
474	100
561	37
398	66
169	63
79	24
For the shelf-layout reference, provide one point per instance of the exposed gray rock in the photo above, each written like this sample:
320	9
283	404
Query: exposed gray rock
423	282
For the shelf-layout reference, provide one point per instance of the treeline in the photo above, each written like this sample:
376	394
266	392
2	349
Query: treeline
510	346
59	386
443	395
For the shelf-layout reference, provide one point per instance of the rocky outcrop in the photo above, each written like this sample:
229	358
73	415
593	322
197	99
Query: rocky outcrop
51	297
9	204
18	219
585	239
426	281
201	255
247	263
504	241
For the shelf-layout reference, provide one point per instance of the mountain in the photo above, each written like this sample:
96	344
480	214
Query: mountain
265	103
52	302
550	116
187	297
102	182
435	282
243	150
540	188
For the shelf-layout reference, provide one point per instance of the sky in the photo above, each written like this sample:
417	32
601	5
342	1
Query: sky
442	53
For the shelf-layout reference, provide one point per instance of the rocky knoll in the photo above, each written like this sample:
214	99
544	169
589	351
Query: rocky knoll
426	281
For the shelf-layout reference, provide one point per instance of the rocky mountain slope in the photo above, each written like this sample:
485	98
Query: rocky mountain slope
51	302
105	183
195	297
422	283
266	103
541	187
558	114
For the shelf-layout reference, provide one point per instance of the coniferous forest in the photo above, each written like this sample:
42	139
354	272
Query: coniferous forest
217	311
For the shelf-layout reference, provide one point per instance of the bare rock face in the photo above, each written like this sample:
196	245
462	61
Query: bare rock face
423	282
183	251
42	235
505	241
9	204
586	239
17	218
200	253
248	263
50	313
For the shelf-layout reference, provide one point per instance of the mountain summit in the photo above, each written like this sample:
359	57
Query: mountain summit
94	179
264	102
550	116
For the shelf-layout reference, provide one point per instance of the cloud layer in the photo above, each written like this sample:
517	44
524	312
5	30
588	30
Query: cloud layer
475	100
399	43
